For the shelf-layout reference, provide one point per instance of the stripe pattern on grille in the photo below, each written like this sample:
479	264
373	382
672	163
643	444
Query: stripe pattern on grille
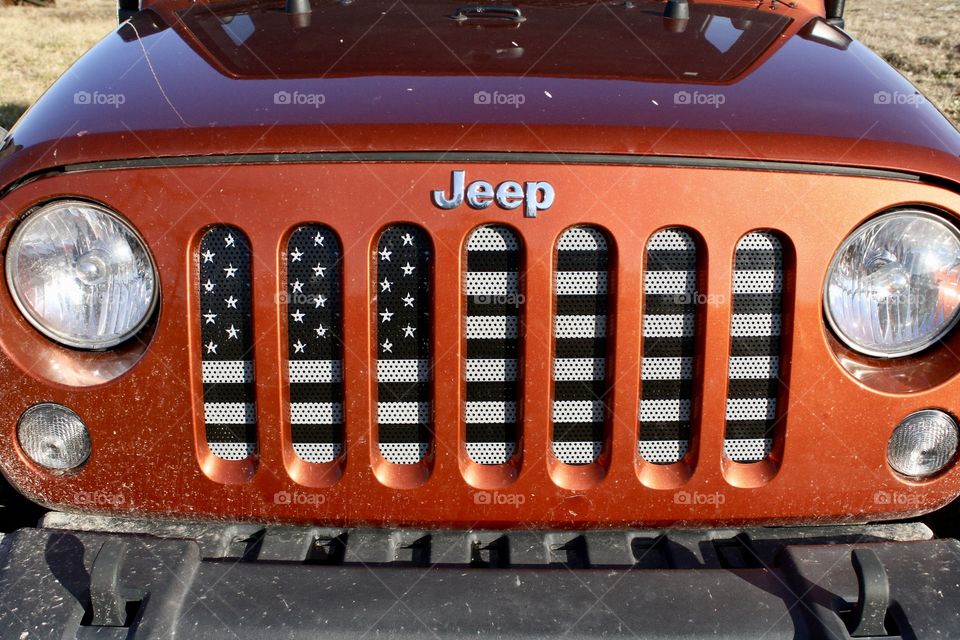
754	366
403	263
580	384
669	334
492	292
226	331
314	343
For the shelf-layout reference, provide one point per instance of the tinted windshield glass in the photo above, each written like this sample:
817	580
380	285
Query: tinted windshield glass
718	44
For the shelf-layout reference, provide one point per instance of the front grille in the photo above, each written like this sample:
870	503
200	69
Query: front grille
226	333
755	347
402	310
403	319
581	284
314	315
493	302
669	333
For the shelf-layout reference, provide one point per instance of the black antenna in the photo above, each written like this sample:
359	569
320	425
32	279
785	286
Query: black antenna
299	12
835	12
296	7
677	10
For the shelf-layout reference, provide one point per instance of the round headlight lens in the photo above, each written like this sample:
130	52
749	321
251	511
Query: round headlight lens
893	288
81	275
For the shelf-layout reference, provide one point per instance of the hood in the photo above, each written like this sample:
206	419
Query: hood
738	80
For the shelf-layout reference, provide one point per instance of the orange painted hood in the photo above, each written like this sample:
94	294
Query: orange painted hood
237	78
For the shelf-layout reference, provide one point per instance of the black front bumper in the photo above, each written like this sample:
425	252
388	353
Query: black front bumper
129	579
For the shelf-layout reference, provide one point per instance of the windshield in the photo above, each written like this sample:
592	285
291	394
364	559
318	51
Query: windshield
718	44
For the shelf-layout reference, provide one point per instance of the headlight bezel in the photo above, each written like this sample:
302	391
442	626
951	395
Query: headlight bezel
38	322
941	217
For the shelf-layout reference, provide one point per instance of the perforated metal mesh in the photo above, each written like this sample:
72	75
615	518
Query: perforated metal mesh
318	451
404	452
490	452
403	262
227	372
314	312
747	449
492	327
494	312
581	388
669	334
577	452
232	450
663	451
226	333
754	366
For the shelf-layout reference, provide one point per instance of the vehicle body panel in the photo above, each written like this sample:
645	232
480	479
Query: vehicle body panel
199	137
799	101
147	429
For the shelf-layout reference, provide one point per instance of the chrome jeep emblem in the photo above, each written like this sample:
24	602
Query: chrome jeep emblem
509	195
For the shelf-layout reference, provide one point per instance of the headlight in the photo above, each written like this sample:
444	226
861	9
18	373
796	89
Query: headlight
893	288
81	275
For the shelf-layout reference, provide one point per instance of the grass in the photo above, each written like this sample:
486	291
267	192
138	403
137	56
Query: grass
38	44
919	37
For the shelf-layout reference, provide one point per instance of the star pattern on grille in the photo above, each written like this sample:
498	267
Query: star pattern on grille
227	343
403	303
314	336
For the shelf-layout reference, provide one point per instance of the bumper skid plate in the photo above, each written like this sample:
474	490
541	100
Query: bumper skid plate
147	580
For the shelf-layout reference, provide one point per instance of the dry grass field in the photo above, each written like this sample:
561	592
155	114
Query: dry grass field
920	37
38	44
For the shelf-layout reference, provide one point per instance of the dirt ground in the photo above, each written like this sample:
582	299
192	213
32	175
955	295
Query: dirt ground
919	37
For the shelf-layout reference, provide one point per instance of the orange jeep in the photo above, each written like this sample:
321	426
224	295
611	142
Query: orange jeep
406	318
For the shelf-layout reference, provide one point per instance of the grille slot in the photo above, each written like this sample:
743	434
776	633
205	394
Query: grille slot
403	264
754	367
314	343
581	284
493	298
226	331
669	334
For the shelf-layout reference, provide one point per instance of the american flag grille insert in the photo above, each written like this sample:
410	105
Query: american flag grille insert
403	264
492	291
754	366
669	334
314	310
226	331
580	385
